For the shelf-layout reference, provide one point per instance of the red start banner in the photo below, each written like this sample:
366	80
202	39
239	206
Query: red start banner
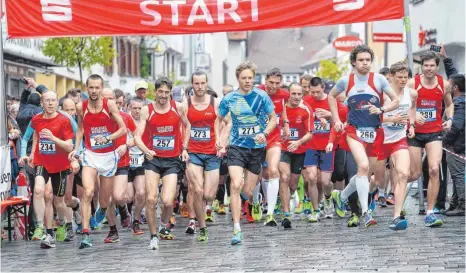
52	18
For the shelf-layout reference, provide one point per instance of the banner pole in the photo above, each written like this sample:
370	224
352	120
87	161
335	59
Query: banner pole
409	40
4	114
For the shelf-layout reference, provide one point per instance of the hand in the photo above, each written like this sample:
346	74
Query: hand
150	155
447	125
222	152
293	146
323	121
322	113
260	138
420	118
373	110
401	119
46	133
131	143
100	140
75	166
72	155
329	147
185	156
31	82
30	161
121	150
286	131
442	52
411	132
339	126
218	144
23	160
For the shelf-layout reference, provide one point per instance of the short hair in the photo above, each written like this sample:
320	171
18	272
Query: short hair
295	84
316	81
244	66
384	71
458	80
398	67
228	86
73	92
199	73
306	77
118	93
8	97
274	72
135	99
360	49
430	55
95	77
14	107
163	81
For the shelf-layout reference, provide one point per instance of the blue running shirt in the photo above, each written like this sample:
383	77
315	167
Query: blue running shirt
249	114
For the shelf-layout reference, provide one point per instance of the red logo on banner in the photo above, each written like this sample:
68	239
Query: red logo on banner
347	43
388	37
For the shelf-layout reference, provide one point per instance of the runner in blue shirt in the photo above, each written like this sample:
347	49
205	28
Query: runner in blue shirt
249	109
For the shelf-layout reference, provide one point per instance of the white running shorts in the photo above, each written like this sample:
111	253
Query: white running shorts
105	163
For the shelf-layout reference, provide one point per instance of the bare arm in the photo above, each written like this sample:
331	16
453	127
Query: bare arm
66	145
272	123
217	125
115	113
182	109
80	130
332	104
395	101
412	110
140	130
449	106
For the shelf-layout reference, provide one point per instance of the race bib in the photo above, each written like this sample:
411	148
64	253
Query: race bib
396	126
47	147
366	134
248	130
294	134
278	120
430	114
136	160
200	133
163	143
97	146
319	128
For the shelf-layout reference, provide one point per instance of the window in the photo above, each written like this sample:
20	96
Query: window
183	72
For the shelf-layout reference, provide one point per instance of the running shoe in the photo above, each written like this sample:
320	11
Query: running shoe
249	217
112	237
85	242
93	223
372	205
237	237
432	221
61	233
221	210
172	222
270	221
154	243
164	234
203	235
69	235
286	223
209	217
300	208
382	202
143	219
329	208
314	217
100	215
215	205
125	217
191	229
184	210
256	212
398	223
79	229
137	230
307	206
48	242
278	207
353	221
340	204
390	199
39	234
368	220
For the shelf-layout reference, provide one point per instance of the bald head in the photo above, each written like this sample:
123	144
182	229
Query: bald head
69	106
107	93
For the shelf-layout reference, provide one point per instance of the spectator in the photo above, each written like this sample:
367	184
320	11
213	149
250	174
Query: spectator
454	141
141	91
9	102
13	111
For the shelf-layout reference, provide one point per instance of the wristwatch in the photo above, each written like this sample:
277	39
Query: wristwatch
382	109
286	121
412	125
266	134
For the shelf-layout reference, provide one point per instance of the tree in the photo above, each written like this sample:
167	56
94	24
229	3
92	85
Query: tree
82	52
144	60
331	70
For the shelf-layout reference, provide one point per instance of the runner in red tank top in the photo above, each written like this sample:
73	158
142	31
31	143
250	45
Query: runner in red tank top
204	165
432	89
162	120
120	184
294	149
96	121
279	97
52	141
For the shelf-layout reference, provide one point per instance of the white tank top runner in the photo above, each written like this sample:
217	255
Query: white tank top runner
394	132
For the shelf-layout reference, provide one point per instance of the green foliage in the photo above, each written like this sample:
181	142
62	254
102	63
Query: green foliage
331	70
145	62
82	52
